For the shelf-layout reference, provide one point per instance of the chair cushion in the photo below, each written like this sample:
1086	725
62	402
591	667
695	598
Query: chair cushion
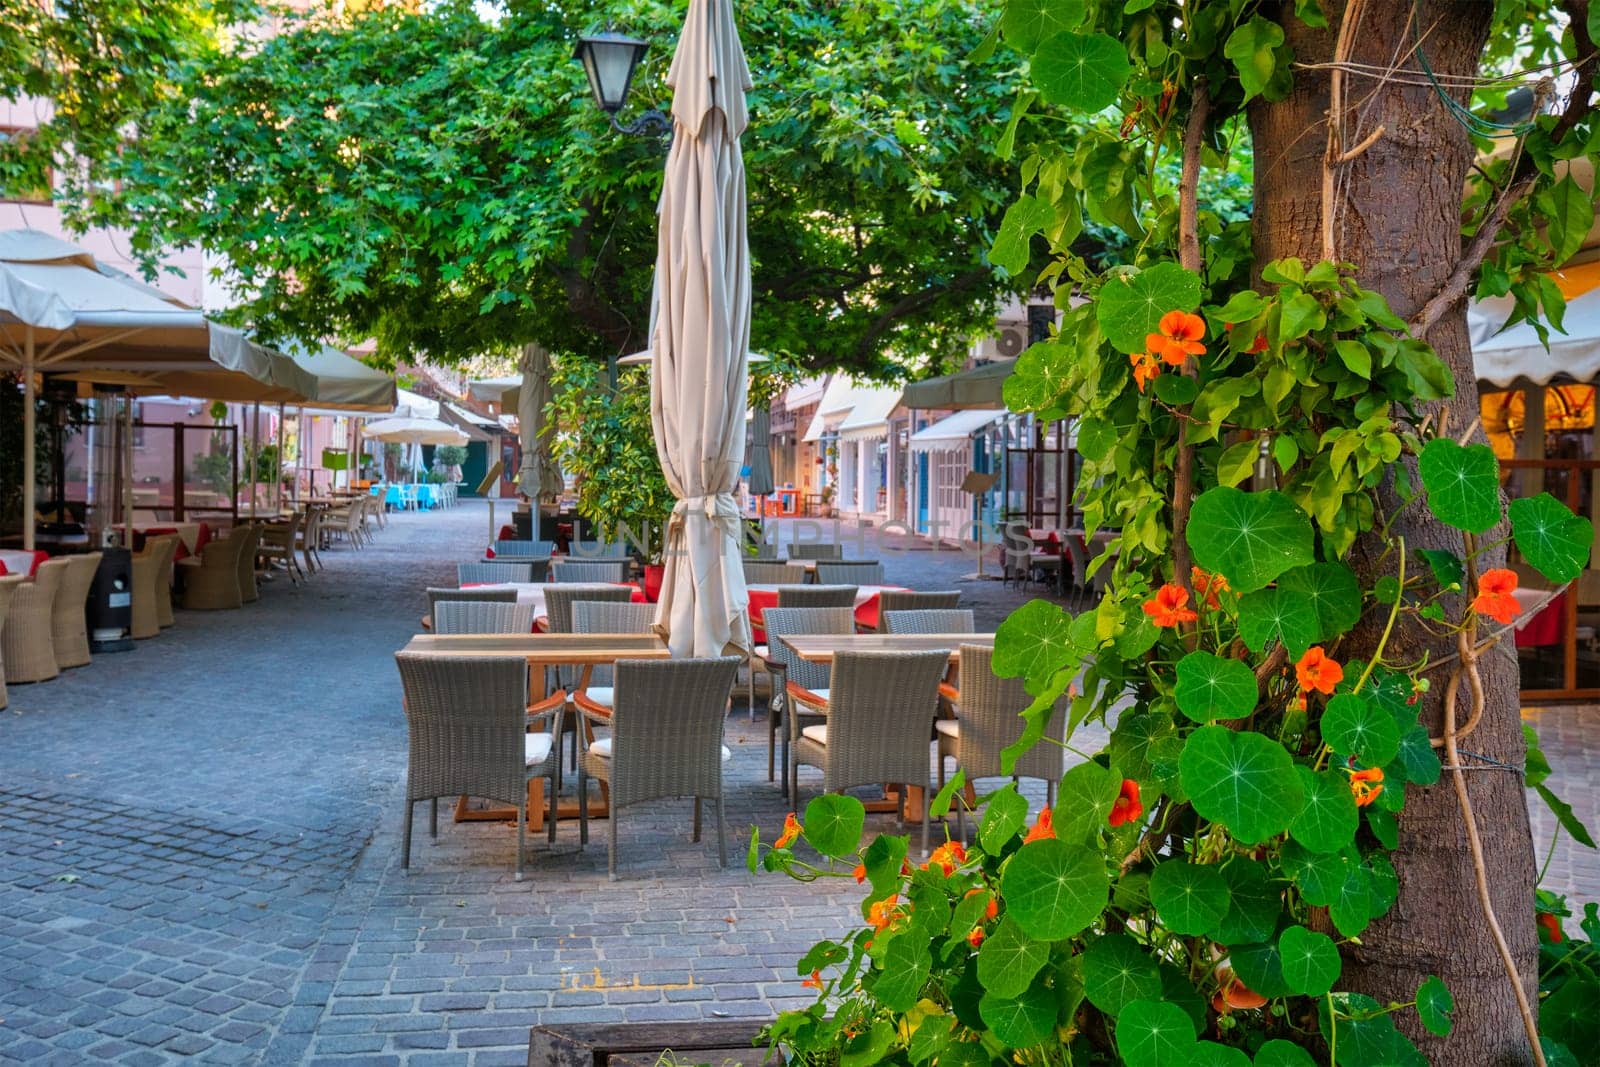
817	733
948	727
603	695
535	749
602	748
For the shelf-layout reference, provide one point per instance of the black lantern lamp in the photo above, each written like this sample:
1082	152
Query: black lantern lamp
609	59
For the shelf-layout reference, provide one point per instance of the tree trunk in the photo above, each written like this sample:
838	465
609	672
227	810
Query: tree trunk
1397	217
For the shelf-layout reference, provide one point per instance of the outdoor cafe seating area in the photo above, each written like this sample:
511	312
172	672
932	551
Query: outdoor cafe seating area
537	691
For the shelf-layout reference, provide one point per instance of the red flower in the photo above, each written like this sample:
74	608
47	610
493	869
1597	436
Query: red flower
1126	808
1145	367
1316	671
791	830
1551	925
947	857
860	873
1366	785
975	938
1258	346
815	981
1495	599
1043	828
1208	586
1170	606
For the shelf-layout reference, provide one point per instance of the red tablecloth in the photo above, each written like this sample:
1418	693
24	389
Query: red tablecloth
762	599
19	561
201	539
1545	628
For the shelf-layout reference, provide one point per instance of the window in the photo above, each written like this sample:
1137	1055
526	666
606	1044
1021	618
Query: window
40	195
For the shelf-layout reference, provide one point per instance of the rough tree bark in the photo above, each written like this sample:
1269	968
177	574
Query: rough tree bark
1397	217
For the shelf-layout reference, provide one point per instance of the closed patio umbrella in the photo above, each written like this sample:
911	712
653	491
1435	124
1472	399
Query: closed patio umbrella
700	337
540	477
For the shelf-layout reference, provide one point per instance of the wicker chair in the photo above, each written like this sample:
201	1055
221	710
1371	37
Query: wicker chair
211	579
164	614
28	639
989	721
69	626
310	539
878	711
468	723
480	596
787	670
599	550
770	572
605	617
493	572
589	570
666	741
149	566
278	540
929	621
8	586
815	551
482	617
908	600
817	596
851	572
558	601
249	592
507	548
1082	582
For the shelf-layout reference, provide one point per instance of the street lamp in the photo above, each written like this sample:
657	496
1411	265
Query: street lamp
609	59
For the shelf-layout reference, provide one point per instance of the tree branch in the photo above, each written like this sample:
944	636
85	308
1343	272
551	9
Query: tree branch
1455	286
910	304
1189	259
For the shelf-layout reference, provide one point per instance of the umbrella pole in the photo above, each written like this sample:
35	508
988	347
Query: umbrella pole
255	453
28	458
277	466
127	472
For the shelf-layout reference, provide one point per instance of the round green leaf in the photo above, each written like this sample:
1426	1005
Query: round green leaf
1356	901
1553	540
1084	801
1248	538
1134	739
1310	960
833	824
1082	71
1116	972
1435	1005
1131	305
1353	727
1152	1033
906	965
1271	613
1280	1053
1027	22
1254	904
1054	889
1244	780
1004	816
1192	898
1260	968
1212	1054
1211	687
1022	1021
1329	819
1331	592
1009	959
1033	643
1463	484
1319	877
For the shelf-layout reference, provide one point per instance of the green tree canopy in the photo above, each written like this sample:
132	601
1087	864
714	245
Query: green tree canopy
442	182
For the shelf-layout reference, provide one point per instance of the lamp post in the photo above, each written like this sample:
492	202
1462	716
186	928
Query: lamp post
609	59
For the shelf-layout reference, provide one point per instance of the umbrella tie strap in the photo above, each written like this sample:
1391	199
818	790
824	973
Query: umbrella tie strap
719	508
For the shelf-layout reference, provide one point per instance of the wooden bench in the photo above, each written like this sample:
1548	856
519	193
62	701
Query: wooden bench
718	1044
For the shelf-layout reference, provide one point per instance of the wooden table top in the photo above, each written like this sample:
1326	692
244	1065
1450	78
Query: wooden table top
543	649
821	648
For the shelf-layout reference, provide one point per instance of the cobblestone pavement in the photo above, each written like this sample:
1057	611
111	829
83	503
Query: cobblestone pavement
201	860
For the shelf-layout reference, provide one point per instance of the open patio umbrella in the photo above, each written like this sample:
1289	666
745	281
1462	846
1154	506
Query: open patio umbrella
700	337
407	429
540	477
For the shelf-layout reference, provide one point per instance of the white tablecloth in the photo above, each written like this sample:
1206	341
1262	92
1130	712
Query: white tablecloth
188	532
17	561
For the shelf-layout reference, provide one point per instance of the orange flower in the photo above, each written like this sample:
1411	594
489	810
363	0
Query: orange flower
1208	586
1258	346
1494	599
1236	995
860	873
991	909
975	938
1366	785
1145	367
791	830
1551	925
948	857
1170	606
1044	828
1180	337
815	981
883	912
1316	671
1126	808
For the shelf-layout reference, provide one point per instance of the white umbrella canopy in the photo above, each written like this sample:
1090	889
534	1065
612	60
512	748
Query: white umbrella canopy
540	477
405	429
1516	355
700	337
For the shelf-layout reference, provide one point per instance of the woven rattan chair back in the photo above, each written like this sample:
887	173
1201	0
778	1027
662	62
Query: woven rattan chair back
770	572
28	634
929	621
880	712
817	596
8	586
607	617
558	601
479	596
523	549
815	551
482	617
598	550
493	573
911	600
784	622
589	570
249	535
849	572
69	626
991	719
